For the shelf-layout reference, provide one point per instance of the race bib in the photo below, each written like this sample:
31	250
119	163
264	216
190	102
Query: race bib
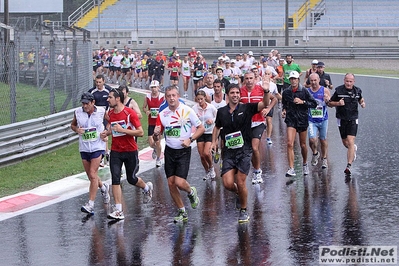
234	140
198	73
154	112
173	132
316	112
122	123
185	68
90	134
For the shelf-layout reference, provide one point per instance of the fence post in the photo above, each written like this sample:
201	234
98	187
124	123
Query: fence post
52	77
12	80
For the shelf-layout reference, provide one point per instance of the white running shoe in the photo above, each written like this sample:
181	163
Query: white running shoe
305	169
315	158
290	172
105	194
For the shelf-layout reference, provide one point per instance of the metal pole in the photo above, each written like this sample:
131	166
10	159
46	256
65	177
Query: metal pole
261	22
6	21
286	24
98	23
353	29
177	22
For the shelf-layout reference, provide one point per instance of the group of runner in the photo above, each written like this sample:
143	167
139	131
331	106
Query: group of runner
230	114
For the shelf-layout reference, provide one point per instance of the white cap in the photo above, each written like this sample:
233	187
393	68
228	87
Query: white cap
154	83
232	61
294	74
250	53
315	62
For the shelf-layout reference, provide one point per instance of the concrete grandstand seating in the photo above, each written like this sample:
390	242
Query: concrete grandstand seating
366	14
158	14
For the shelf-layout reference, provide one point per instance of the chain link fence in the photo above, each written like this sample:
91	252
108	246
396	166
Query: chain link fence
43	72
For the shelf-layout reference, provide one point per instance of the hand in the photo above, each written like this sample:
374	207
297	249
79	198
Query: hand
265	111
283	113
298	101
363	104
186	143
117	128
265	82
104	134
80	131
342	102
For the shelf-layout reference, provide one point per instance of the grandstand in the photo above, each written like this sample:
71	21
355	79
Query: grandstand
158	15
366	14
235	14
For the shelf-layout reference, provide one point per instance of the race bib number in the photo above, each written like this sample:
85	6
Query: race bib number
234	140
90	134
316	112
185	68
154	112
198	73
122	123
173	132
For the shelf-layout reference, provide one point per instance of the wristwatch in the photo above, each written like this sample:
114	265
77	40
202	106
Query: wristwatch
191	139
266	91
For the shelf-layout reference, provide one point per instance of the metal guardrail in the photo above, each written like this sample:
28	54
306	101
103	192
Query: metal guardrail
22	140
82	10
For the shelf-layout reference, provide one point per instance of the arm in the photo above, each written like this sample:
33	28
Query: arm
74	126
215	135
133	105
266	95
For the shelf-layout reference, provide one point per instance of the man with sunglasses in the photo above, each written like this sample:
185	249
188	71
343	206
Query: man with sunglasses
124	125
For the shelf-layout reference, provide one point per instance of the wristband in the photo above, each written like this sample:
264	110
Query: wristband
191	139
266	91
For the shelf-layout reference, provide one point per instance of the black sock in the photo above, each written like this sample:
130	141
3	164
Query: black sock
348	165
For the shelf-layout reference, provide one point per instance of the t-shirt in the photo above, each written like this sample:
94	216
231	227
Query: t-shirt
287	70
255	96
204	114
175	69
177	124
153	105
127	118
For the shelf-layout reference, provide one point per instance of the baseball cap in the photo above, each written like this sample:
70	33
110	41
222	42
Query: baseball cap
232	61
227	61
250	53
294	74
253	67
315	62
320	64
219	68
154	83
264	59
87	97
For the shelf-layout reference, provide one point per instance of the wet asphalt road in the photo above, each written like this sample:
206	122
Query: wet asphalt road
287	224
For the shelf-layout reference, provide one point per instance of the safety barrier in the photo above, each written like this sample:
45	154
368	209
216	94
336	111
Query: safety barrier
22	140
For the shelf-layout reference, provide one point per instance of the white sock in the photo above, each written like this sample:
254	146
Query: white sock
146	188
91	203
118	207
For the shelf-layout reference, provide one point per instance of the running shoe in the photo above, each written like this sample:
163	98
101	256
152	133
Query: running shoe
216	157
305	169
348	170
290	172
257	177
206	176
185	95
148	195
315	158
354	155
105	194
324	164
154	154
194	200
158	163
269	141
116	214
181	217
87	208
244	217
212	173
